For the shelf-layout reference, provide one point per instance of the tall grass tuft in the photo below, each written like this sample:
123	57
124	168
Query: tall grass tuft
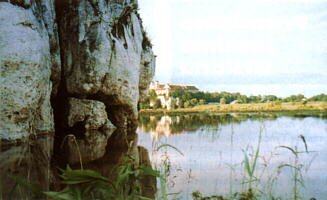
296	167
250	166
164	167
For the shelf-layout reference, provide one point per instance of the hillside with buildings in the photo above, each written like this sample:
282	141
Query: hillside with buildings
164	91
172	96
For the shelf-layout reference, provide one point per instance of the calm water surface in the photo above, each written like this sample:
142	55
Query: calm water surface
213	145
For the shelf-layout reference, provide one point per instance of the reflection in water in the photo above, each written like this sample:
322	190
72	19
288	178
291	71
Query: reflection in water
179	124
212	145
28	159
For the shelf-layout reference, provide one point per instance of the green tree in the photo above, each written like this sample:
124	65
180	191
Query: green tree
145	103
294	98
320	97
242	98
193	102
157	104
202	102
187	104
173	103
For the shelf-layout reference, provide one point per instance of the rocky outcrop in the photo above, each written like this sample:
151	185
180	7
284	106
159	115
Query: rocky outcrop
29	58
30	73
103	57
90	130
72	74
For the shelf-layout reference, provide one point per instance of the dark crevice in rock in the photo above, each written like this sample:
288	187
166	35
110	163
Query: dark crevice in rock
78	130
123	19
59	103
22	3
122	138
95	6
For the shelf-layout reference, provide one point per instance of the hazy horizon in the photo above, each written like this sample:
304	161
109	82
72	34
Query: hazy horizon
252	47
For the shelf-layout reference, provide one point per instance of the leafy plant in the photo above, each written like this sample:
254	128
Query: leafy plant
88	184
250	166
83	184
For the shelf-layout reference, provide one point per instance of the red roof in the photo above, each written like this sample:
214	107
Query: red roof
182	87
192	87
176	87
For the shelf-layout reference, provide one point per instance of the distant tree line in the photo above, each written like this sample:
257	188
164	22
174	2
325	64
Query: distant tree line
150	98
190	99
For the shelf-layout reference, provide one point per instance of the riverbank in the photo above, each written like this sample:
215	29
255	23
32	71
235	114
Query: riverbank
257	107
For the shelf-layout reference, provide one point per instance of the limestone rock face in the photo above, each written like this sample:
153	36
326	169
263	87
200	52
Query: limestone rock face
148	61
90	130
69	96
104	57
28	55
29	75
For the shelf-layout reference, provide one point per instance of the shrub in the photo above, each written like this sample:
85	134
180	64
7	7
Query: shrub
157	103
222	101
187	104
202	102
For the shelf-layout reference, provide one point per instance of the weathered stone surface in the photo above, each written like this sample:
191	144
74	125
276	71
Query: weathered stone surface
92	79
91	113
103	54
89	129
148	64
25	62
29	58
45	12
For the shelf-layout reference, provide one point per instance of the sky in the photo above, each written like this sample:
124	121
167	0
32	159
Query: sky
250	46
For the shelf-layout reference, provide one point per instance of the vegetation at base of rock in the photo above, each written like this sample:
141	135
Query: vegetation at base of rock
88	184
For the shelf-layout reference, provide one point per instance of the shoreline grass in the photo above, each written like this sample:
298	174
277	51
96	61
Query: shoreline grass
254	107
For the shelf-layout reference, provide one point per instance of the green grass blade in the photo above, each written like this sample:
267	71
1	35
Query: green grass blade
256	156
247	164
171	146
150	171
59	195
289	148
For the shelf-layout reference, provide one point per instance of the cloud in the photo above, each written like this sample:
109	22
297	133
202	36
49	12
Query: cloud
244	23
298	1
237	42
247	79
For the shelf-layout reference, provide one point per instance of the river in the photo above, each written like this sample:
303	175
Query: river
214	146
